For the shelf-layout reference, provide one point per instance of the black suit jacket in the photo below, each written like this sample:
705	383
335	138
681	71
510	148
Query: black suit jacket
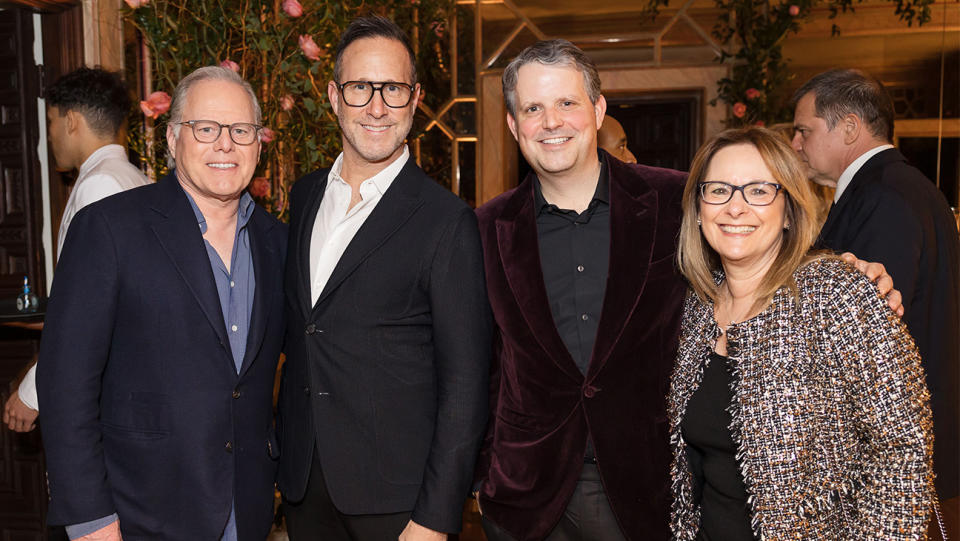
893	214
386	375
143	411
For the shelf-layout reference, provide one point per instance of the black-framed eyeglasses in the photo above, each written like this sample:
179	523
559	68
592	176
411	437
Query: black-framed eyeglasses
758	194
359	93
208	131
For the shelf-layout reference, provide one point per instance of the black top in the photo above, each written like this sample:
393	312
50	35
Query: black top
575	257
718	484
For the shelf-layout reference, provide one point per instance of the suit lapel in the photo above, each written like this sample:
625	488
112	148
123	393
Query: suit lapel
399	202
633	228
520	257
265	272
180	238
301	248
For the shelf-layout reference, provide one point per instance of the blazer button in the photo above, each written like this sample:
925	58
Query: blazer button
306	391
311	328
228	447
590	391
236	393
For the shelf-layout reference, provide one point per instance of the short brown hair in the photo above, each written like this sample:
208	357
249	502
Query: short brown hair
840	92
551	52
698	260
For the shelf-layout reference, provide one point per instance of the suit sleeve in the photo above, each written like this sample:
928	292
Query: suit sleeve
74	349
892	413
885	229
461	337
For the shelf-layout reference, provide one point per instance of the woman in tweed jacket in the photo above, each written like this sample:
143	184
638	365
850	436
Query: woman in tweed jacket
798	408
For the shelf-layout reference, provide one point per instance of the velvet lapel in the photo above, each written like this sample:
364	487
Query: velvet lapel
520	257
860	180
303	232
180	238
633	228
395	207
266	273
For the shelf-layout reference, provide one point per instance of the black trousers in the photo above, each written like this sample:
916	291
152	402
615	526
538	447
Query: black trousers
317	518
588	516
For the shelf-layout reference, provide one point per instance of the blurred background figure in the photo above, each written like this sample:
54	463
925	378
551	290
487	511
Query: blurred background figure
613	139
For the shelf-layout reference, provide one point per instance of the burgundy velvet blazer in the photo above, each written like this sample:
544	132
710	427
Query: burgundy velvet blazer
542	407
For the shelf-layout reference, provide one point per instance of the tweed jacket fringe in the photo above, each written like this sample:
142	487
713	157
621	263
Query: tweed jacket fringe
830	413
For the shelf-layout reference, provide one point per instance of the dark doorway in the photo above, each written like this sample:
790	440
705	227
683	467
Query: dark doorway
663	129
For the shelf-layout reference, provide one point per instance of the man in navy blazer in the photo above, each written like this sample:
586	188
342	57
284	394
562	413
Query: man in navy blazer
886	210
162	337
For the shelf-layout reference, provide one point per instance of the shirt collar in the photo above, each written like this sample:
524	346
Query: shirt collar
381	180
852	169
102	153
600	195
244	211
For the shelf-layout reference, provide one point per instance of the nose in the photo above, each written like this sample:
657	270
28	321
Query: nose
797	142
630	158
551	119
224	143
737	204
377	108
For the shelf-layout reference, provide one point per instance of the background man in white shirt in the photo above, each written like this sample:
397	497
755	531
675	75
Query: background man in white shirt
86	110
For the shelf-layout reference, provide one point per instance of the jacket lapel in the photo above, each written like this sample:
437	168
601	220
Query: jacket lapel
180	238
860	181
266	273
633	228
301	246
520	256
395	207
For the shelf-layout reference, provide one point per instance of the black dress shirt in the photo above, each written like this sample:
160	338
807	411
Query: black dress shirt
575	257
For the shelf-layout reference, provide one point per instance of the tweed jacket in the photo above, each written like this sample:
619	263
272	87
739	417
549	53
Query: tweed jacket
830	413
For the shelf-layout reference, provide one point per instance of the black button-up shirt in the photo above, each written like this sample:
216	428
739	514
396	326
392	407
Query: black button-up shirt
575	257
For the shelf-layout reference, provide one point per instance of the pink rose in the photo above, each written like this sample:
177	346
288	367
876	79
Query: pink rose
266	135
287	102
259	187
794	10
752	93
231	65
437	27
134	4
292	8
739	109
310	49
156	104
760	123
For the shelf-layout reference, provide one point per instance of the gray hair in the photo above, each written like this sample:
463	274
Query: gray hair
840	92
550	52
207	73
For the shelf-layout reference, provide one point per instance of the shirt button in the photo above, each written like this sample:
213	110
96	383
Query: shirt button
232	283
234	328
584	317
228	447
579	268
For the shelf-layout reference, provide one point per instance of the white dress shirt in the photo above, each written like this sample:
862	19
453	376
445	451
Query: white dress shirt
336	223
852	169
105	172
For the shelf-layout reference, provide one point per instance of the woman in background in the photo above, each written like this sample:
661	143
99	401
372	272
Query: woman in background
798	408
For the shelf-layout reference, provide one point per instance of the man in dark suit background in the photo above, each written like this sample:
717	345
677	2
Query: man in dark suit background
580	264
886	210
384	394
162	338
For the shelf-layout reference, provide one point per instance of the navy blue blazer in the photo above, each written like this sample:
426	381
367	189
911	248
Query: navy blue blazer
142	409
893	214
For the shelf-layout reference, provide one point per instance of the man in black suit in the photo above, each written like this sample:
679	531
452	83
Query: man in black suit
384	396
162	337
886	210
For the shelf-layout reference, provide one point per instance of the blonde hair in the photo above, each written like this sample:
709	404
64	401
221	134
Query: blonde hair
698	260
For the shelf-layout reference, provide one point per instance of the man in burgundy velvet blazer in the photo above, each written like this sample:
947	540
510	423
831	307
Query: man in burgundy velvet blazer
536	459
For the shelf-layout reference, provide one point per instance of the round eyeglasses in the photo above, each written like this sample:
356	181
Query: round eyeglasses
208	131
758	194
359	93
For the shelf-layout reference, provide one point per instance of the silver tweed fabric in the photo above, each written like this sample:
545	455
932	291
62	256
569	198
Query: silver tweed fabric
830	413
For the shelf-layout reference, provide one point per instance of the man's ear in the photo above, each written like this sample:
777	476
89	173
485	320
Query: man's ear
512	124
600	109
73	121
852	126
333	94
171	142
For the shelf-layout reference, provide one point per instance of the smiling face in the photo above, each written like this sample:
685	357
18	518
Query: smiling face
822	149
556	125
373	134
222	169
744	236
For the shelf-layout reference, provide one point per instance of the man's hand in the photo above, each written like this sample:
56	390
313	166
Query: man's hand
416	532
18	416
878	274
110	532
